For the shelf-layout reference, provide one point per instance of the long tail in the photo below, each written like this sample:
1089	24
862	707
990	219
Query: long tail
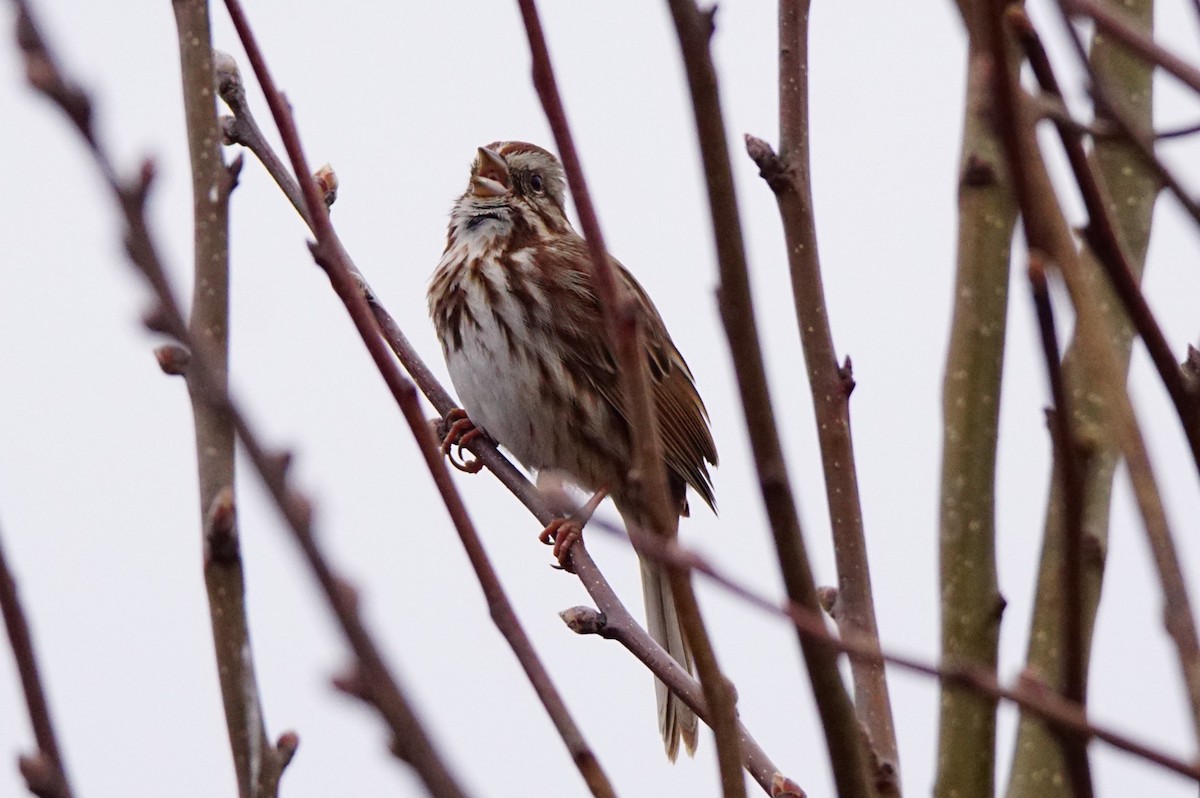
675	720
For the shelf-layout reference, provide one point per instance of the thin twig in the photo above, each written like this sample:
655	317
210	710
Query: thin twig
1140	136
621	319
842	732
789	176
44	772
257	763
1102	238
1112	23
1030	694
332	257
1178	132
379	686
1074	676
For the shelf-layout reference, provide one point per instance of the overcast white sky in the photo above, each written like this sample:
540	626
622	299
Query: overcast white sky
97	472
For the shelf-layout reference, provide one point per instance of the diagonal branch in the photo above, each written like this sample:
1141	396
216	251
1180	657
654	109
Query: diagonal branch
333	259
1101	234
44	772
621	318
1030	693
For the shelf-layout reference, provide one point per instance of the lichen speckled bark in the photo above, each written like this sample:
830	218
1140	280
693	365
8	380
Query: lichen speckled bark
971	602
1038	769
257	763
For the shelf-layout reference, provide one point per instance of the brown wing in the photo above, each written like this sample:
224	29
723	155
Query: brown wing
682	419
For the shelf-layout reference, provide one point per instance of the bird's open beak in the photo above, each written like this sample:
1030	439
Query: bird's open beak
491	175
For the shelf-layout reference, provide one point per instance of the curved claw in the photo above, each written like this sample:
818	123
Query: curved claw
563	533
460	430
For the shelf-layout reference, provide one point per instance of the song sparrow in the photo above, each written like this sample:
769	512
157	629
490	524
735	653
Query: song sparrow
528	353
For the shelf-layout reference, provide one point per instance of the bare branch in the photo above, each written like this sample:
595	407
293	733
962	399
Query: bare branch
971	604
386	695
1046	231
1030	693
257	764
44	772
1102	238
788	175
843	737
1074	672
332	257
622	320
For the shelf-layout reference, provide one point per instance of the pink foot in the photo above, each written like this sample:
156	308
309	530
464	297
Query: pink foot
564	532
460	431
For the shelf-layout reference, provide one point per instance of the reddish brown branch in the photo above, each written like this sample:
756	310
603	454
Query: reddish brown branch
1138	135
842	732
333	259
1030	694
1074	676
1111	23
44	772
1102	238
412	742
620	313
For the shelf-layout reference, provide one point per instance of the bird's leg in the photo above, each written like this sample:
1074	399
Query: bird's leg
460	431
563	532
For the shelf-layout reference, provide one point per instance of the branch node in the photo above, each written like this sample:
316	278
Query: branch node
157	320
584	620
828	598
41	776
285	748
231	175
229	78
978	172
1191	370
173	359
783	787
327	183
282	461
220	529
352	682
770	166
846	375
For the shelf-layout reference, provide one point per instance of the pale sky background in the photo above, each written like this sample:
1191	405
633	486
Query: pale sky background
98	504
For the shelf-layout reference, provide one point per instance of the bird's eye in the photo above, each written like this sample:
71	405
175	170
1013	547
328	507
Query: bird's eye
535	182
